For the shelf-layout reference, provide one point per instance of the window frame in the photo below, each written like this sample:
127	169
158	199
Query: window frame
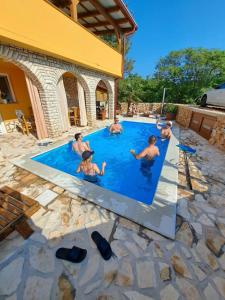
10	87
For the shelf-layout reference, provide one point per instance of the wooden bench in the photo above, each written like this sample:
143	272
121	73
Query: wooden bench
15	209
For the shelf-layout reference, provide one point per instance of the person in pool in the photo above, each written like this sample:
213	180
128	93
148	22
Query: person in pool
149	152
165	130
115	127
89	169
79	146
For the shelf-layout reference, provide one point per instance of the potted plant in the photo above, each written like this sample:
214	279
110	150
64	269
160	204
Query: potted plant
170	111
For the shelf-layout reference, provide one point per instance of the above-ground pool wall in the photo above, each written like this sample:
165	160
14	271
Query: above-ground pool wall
217	137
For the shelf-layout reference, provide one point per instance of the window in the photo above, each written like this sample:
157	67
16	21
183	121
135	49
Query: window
6	92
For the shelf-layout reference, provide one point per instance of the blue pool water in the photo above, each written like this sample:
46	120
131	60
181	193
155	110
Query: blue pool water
123	174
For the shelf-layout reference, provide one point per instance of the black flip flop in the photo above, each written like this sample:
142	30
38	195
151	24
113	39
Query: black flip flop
75	255
102	245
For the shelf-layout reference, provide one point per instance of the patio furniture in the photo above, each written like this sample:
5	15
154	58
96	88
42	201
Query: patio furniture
74	116
25	125
101	114
147	114
130	114
15	209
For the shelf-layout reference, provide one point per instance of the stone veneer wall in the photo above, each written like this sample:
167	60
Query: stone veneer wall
143	107
217	138
46	71
218	133
183	116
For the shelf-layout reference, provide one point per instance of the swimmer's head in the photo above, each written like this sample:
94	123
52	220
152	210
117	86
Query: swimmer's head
152	140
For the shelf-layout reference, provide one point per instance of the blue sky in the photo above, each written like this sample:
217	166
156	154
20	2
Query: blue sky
165	25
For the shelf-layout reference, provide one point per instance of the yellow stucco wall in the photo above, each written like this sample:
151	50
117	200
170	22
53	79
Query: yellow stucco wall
38	26
18	83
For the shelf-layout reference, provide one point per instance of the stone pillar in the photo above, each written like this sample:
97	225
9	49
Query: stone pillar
63	105
91	107
111	100
82	106
111	106
50	105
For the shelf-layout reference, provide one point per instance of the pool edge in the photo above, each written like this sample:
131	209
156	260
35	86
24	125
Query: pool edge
160	216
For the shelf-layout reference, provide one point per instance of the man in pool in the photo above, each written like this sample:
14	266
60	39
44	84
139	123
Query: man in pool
89	169
165	130
149	152
115	127
78	146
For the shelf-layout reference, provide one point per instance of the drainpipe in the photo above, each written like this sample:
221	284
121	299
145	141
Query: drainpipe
116	95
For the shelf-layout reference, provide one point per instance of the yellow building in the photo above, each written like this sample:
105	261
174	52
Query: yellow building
55	63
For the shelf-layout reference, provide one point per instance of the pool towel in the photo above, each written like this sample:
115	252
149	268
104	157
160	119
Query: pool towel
186	149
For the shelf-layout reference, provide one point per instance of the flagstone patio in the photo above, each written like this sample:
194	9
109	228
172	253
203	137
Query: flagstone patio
146	266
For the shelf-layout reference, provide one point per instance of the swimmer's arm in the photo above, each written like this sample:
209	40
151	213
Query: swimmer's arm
102	172
157	152
158	126
78	169
74	147
87	145
111	127
140	155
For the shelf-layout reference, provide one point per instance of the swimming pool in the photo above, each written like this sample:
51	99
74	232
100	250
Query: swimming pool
124	174
160	215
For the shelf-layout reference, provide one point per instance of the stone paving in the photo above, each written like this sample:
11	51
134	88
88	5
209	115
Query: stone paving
146	265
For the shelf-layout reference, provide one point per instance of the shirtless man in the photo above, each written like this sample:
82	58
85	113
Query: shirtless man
78	146
149	152
165	130
116	127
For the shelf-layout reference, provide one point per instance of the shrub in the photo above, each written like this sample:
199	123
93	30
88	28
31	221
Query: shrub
170	108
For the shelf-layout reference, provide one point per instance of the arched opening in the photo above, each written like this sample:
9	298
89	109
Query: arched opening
20	104
72	101
102	101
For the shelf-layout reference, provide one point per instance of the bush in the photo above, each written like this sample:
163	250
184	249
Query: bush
170	108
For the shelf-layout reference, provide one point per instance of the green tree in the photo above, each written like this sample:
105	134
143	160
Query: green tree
128	62
186	74
130	90
189	72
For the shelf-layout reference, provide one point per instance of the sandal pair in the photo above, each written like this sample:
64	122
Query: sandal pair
77	255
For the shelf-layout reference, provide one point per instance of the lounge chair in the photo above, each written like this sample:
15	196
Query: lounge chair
15	209
24	125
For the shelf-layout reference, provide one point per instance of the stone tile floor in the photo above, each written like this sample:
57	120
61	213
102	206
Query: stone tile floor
146	266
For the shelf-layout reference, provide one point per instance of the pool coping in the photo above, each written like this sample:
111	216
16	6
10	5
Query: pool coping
160	216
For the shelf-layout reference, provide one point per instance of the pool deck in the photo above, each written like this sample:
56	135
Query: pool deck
147	265
160	216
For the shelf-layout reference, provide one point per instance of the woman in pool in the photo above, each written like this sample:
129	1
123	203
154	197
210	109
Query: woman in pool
89	169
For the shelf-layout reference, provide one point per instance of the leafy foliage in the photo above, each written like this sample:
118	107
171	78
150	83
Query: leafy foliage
170	108
128	62
186	74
